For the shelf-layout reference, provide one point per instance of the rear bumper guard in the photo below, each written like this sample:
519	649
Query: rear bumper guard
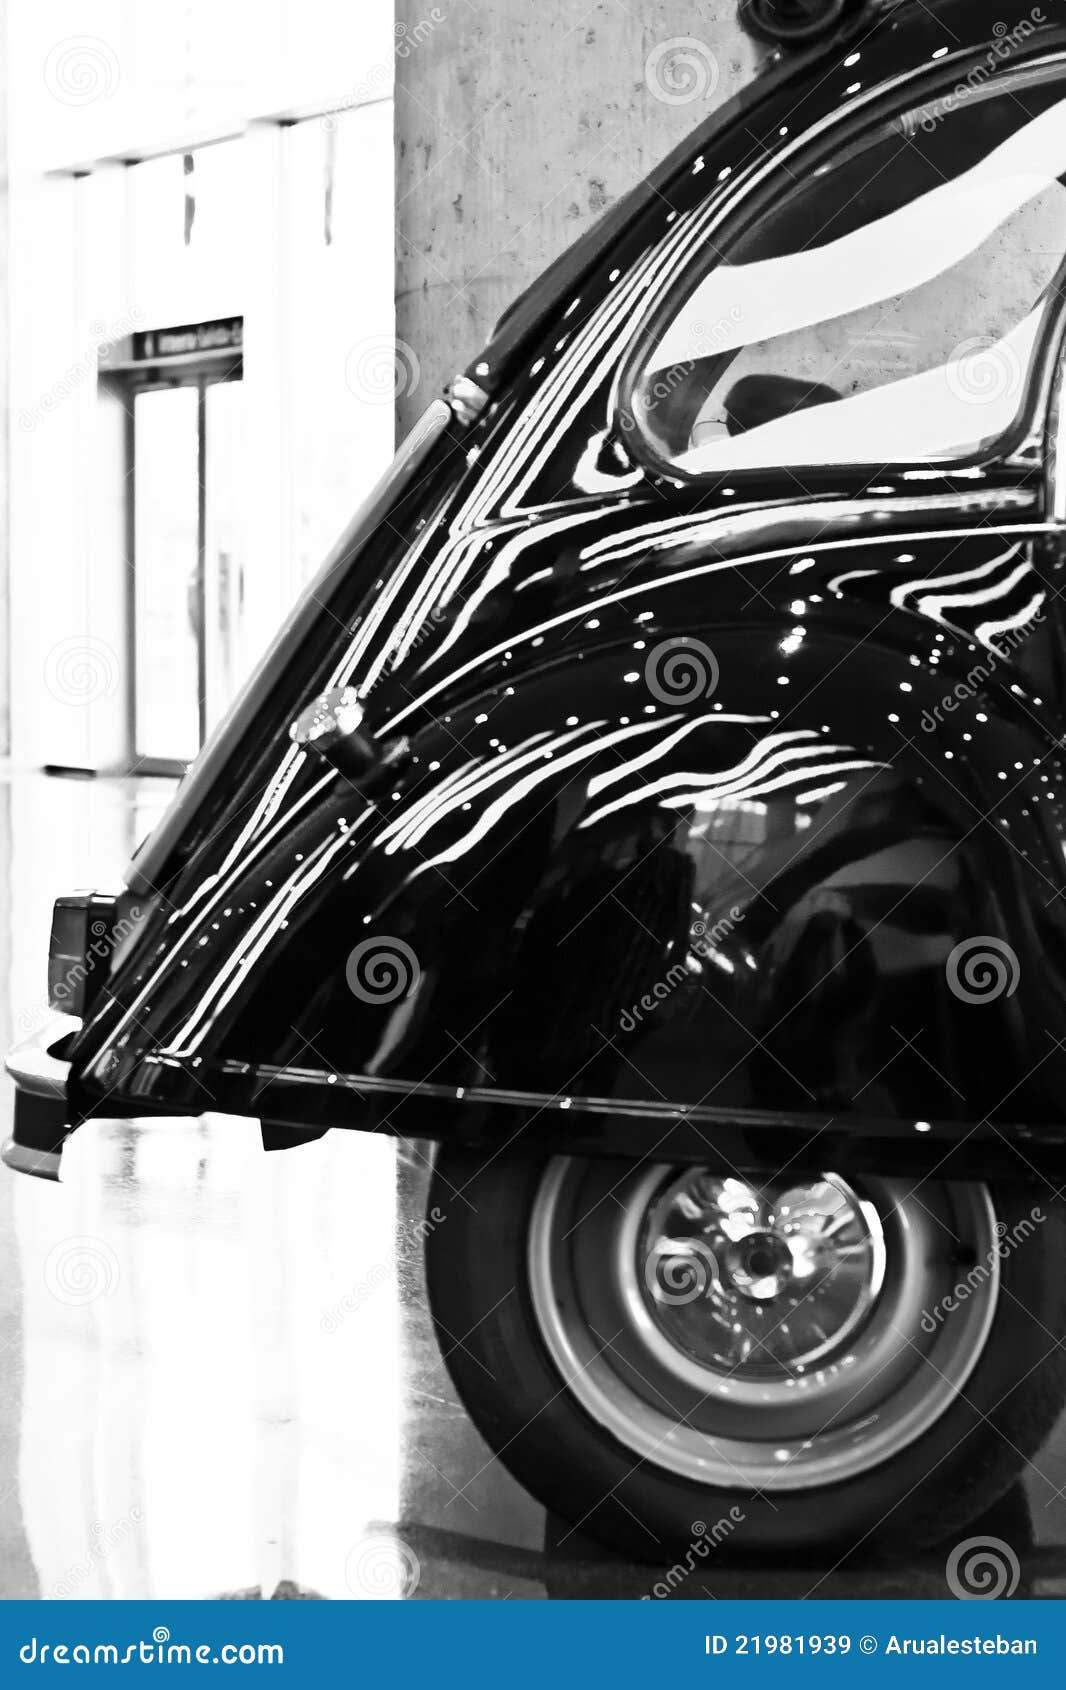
41	1123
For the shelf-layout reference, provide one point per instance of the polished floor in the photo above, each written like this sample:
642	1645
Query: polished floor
219	1376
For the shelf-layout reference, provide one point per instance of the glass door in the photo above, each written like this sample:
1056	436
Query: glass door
167	619
188	583
221	655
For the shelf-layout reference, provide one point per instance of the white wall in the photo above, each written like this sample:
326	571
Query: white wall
293	230
97	78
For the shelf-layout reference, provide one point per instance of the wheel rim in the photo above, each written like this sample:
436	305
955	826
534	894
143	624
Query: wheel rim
780	1336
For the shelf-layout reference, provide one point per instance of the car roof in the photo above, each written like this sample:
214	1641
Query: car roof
899	36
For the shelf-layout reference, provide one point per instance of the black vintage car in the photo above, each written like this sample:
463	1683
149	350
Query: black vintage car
658	801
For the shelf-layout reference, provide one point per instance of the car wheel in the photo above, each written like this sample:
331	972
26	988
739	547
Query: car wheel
661	1353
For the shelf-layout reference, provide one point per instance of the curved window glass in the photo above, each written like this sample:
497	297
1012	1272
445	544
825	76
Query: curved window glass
888	308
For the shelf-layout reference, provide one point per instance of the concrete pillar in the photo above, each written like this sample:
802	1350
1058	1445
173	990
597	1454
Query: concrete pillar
5	457
517	124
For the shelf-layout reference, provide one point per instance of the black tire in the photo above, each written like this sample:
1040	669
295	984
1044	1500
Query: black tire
480	1296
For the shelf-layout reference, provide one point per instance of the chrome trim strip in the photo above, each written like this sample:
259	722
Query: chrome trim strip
259	1076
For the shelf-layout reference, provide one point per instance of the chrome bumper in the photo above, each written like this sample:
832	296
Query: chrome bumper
41	1123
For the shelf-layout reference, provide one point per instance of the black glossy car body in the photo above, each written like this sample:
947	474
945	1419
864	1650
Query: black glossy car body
755	910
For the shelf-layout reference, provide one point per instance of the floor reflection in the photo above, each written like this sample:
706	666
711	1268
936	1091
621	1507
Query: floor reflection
220	1376
212	1377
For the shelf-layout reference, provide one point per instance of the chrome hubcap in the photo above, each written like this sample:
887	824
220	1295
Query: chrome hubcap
752	1281
775	1336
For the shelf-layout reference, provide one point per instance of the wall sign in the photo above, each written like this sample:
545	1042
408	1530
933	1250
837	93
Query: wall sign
154	346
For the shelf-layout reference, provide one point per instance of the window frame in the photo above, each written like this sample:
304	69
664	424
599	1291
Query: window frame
1054	442
125	381
811	150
